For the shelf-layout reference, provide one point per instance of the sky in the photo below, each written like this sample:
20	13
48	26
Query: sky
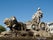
24	9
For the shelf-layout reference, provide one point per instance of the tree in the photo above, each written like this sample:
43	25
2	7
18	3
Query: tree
2	28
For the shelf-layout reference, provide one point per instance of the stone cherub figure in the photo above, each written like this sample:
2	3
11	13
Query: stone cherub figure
13	24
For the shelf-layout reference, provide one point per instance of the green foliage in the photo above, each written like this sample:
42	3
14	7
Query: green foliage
2	28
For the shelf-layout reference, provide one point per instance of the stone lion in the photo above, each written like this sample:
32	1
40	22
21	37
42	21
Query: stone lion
13	24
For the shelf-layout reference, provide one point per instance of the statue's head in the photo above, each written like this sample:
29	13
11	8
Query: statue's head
39	13
7	22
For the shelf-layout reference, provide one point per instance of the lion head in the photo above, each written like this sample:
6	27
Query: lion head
7	22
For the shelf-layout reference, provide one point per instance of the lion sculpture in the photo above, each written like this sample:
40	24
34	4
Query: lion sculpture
13	24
